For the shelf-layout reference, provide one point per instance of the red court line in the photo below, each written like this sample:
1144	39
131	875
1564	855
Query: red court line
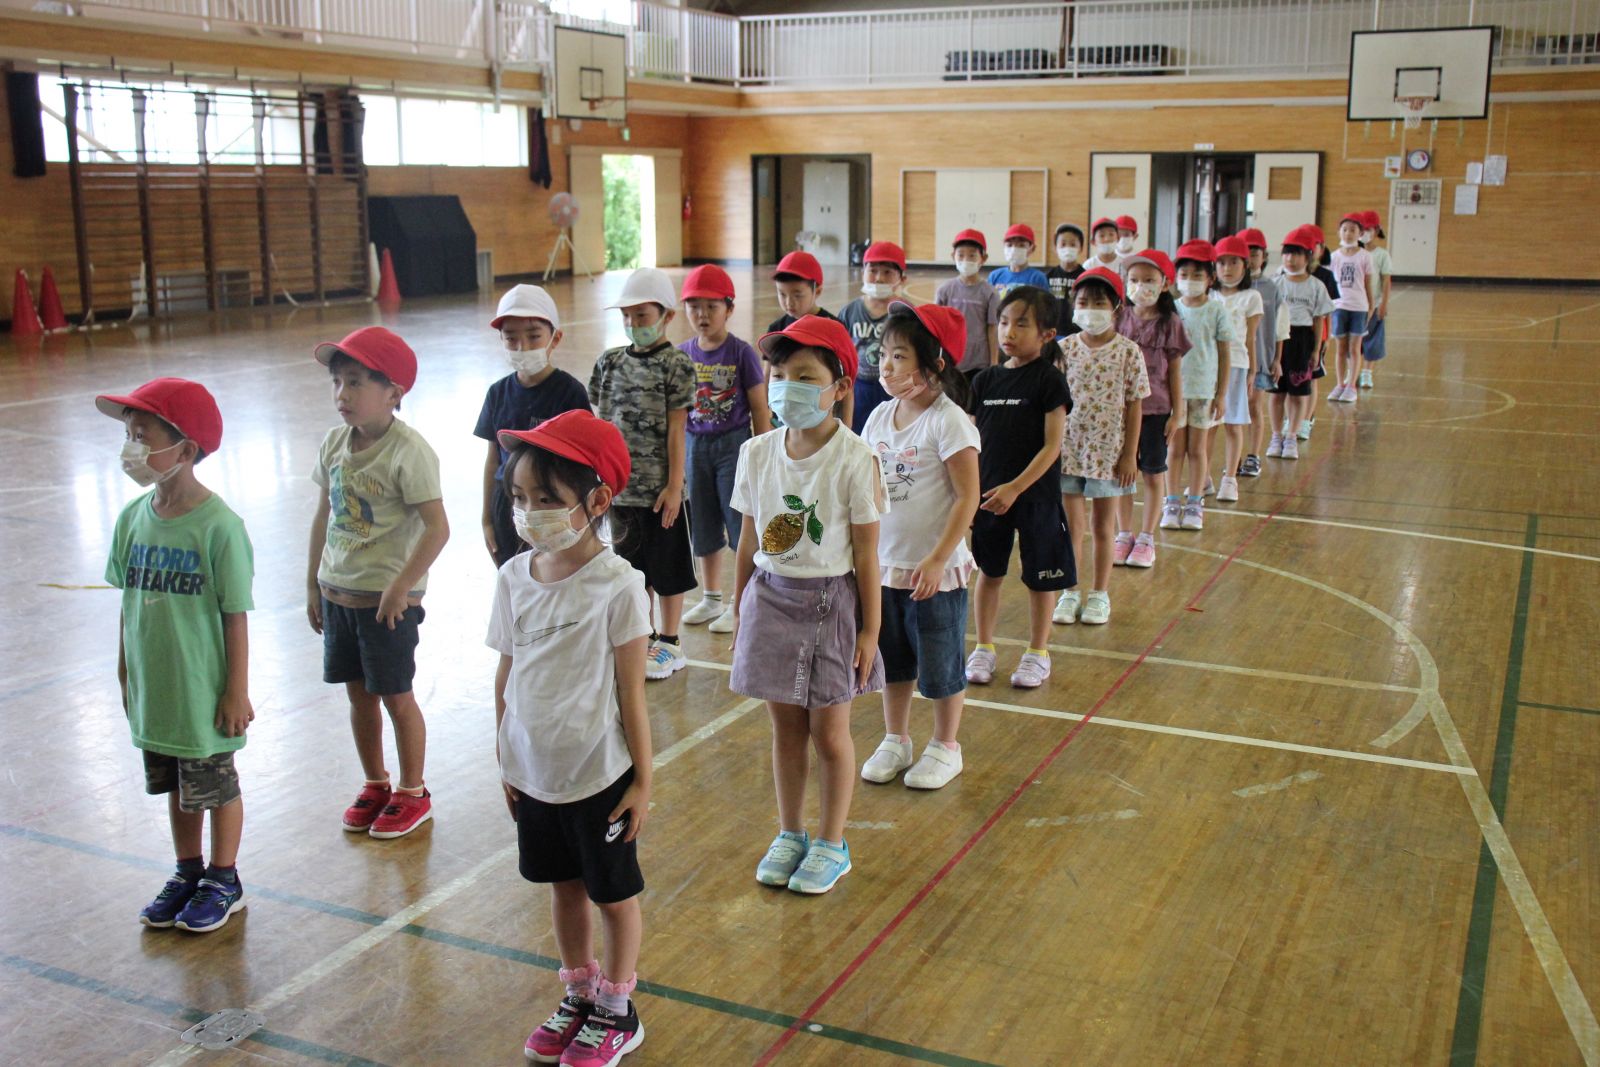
988	824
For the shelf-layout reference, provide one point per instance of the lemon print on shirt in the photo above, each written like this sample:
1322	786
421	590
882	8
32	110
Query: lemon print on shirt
785	530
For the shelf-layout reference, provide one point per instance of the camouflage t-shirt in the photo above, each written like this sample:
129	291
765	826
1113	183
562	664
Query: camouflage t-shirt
635	391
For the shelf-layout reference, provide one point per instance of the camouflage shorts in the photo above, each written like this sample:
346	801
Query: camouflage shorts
201	784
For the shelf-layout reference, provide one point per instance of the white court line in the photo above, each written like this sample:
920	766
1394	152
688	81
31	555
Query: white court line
397	922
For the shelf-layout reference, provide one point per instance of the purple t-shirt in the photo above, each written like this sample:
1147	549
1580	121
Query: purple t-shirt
723	378
1163	341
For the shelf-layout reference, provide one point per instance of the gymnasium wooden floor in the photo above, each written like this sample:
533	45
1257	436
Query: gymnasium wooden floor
1324	792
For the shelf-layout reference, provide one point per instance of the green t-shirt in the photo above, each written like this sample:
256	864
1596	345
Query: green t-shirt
178	578
373	523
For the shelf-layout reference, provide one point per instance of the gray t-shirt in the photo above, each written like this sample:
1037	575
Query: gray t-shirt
867	333
635	391
980	305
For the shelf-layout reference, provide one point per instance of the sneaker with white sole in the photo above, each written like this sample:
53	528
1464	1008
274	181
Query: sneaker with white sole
1144	552
1121	545
935	769
1337	394
213	902
1251	467
1304	433
1171	513
603	1039
1032	671
1228	491
1275	447
551	1038
1366	379
980	666
1291	448
1194	514
1210	487
703	612
1067	605
1096	608
663	660
722	624
822	868
783	857
885	765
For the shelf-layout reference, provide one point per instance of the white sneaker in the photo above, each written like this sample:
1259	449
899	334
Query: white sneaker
1291	448
704	611
1172	513
1305	429
1096	608
723	624
1228	491
1275	448
1067	605
935	769
663	660
1366	379
886	764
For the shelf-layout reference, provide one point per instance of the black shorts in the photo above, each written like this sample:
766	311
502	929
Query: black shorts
662	556
356	647
203	784
564	842
1299	349
1153	443
1040	527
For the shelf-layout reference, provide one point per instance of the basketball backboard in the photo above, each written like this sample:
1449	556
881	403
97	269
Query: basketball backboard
591	75
1444	73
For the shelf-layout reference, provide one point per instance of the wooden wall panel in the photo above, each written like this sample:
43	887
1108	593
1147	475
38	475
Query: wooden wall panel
1027	205
921	238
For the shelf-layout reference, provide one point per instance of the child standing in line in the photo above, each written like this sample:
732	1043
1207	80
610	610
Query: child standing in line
1107	380
379	525
1150	319
1317	267
928	450
1021	408
883	271
1269	337
805	635
535	390
1069	264
1205	382
1127	236
1308	303
1245	311
1382	281
572	734
1019	246
184	564
646	388
1103	239
1352	269
730	401
976	299
798	278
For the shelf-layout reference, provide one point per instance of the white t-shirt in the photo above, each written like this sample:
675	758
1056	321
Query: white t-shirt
561	737
1382	267
803	508
918	484
1242	305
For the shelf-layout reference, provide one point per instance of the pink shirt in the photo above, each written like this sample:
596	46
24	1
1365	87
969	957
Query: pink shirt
1352	271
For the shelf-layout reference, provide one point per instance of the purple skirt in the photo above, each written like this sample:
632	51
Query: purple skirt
796	639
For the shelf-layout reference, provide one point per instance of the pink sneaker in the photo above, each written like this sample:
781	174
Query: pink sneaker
1120	547
550	1040
403	814
1143	554
369	802
604	1038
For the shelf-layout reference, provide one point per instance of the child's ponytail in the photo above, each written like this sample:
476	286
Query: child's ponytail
905	325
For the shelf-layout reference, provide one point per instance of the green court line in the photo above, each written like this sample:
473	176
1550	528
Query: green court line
1475	965
505	952
1559	707
1458	507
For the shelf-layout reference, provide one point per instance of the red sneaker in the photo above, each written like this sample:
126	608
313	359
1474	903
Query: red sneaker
369	802
550	1040
604	1038
403	814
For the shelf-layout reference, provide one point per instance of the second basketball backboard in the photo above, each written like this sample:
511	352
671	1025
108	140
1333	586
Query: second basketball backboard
591	74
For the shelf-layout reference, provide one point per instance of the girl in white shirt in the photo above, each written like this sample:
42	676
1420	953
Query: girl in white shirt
1245	309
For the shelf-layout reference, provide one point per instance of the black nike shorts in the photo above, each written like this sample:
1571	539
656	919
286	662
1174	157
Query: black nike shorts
563	842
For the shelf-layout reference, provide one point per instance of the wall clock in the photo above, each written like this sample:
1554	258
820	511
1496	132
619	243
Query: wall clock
1418	159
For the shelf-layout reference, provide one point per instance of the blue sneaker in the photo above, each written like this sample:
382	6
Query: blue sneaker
174	896
783	856
209	908
823	866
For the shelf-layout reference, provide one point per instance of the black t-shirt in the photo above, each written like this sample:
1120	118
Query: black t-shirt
1329	282
509	405
785	321
1061	288
1010	408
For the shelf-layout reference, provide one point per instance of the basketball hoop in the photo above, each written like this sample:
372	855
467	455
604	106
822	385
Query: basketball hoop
1413	106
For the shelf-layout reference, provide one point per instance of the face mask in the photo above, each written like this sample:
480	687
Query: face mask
1192	286
1255	272
1145	294
967	267
1124	245
877	290
1067	256
798	404
906	388
1346	245
1092	320
135	463
645	336
1016	257
1103	249
530	361
1366	236
547	529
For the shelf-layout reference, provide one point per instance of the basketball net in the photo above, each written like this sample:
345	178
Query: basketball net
1414	106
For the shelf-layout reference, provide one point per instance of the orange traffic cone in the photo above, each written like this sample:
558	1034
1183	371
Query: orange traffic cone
24	319
50	314
388	288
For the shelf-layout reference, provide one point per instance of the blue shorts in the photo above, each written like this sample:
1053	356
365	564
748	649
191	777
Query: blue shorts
713	458
356	647
1347	323
1093	488
1373	348
925	641
1236	406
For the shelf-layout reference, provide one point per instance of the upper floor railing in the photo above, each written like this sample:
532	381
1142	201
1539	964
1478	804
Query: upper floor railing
1084	38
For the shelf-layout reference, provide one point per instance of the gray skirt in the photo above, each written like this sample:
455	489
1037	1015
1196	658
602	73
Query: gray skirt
796	639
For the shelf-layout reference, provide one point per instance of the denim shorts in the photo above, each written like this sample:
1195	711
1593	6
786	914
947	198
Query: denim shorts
1348	323
356	647
925	641
1236	405
1092	488
713	458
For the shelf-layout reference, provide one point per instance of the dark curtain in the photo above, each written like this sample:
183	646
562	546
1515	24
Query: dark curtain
27	124
538	149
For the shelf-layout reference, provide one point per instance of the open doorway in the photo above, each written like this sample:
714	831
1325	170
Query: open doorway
630	211
1181	195
820	203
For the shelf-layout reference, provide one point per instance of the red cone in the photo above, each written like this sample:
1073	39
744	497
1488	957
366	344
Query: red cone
50	314
388	288
24	319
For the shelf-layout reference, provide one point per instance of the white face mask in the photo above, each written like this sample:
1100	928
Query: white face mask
1255	272
136	465
1346	244
548	529
1145	294
968	267
529	361
1192	286
1366	236
1068	256
1016	257
1124	245
877	290
1104	249
1092	320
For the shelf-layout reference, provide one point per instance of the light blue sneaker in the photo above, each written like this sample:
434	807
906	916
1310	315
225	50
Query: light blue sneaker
822	868
783	856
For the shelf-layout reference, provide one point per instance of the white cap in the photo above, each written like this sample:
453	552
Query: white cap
647	285
526	302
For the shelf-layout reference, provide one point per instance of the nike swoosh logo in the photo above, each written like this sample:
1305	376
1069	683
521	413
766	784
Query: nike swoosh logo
528	637
613	831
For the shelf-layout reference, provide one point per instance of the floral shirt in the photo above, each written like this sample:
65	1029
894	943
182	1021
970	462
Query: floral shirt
1102	381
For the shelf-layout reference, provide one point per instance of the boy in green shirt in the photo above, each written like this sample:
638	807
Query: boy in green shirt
184	564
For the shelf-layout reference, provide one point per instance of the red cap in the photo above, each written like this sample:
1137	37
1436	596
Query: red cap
971	236
885	252
1102	221
814	331
1316	231
1301	237
1371	220
376	348
948	326
801	265
580	436
1021	230
708	282
1357	217
1101	274
1233	246
1127	222
1254	238
1197	250
187	406
1155	258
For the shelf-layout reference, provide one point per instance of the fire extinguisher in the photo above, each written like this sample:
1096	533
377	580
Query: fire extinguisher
688	208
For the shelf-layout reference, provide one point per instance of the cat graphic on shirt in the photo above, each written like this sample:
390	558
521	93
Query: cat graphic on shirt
899	470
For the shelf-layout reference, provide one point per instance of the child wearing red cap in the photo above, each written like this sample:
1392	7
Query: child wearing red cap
1150	319
379	525
975	298
1373	347
883	272
1317	267
571	622
1245	311
184	564
730	402
1308	303
1270	335
798	278
1352	269
928	449
1108	382
1103	240
807	604
1127	235
1205	383
1019	245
